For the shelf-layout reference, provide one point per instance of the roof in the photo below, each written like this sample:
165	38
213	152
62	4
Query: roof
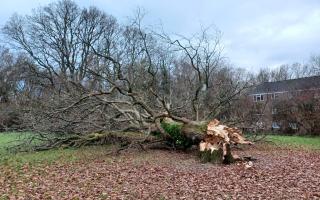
306	83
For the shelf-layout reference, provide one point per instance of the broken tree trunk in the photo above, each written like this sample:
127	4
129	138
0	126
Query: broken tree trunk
215	147
215	157
213	138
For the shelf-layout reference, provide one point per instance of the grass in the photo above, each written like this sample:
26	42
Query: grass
17	160
10	139
296	141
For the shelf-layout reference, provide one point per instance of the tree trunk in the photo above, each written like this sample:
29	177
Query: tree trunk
228	157
214	157
213	139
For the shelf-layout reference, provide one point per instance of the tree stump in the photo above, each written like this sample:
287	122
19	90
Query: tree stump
228	157
214	157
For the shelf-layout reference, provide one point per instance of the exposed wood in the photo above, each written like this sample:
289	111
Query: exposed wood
218	138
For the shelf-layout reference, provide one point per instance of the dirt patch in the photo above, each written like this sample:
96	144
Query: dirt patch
277	174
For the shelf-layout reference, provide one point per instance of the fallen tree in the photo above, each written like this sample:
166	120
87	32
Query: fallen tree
90	76
212	138
215	147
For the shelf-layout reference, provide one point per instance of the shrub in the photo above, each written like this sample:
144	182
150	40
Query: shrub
9	117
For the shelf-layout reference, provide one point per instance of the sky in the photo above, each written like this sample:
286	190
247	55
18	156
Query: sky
255	34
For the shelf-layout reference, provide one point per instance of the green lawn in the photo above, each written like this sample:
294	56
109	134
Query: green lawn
296	141
10	158
11	139
8	140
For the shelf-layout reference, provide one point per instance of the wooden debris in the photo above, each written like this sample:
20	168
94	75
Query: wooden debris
219	137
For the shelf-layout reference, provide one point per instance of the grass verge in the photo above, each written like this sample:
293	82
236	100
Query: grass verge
17	160
296	141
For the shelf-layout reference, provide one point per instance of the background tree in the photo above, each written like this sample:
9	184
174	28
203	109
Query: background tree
315	64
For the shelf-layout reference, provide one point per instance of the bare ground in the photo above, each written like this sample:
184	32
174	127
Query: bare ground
277	174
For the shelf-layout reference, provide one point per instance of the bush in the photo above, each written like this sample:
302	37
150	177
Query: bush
9	117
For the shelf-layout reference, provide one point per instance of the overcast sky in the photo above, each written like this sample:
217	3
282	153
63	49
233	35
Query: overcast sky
264	33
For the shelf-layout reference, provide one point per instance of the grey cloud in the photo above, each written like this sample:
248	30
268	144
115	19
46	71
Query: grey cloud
255	33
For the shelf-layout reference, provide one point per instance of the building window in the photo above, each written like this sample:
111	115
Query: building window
293	125
275	125
274	96
258	97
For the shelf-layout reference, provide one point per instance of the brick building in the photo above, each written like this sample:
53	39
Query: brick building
287	106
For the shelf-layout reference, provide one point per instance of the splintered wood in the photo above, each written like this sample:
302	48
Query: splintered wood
219	137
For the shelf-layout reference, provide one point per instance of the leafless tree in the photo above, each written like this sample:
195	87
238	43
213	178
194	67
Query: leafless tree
12	72
58	37
91	75
263	75
315	65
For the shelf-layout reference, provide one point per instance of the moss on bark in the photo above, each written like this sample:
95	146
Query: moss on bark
215	157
